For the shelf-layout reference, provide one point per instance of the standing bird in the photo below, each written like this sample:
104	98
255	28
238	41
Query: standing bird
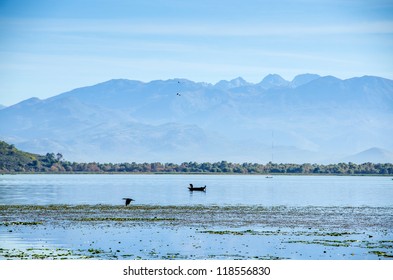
128	200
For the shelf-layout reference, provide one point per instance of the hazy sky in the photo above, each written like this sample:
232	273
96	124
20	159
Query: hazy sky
48	47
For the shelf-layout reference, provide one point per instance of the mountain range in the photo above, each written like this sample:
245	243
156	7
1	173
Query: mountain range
309	119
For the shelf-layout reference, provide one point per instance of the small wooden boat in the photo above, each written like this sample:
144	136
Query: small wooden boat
201	189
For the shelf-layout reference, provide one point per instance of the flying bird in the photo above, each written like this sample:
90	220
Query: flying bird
128	200
178	94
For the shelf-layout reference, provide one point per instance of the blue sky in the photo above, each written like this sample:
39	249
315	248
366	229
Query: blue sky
48	47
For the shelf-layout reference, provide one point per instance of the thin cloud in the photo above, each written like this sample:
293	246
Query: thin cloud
123	27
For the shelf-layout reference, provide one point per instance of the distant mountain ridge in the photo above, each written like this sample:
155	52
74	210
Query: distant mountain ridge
309	119
270	81
303	79
371	155
273	81
237	82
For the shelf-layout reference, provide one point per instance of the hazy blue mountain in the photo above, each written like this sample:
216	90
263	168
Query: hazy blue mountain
273	81
371	155
2	106
303	79
235	83
311	119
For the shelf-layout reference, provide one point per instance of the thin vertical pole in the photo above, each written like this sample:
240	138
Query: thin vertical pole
272	146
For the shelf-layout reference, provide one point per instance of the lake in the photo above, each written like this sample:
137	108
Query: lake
238	217
221	190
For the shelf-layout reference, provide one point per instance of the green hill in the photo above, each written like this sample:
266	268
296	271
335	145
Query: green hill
14	160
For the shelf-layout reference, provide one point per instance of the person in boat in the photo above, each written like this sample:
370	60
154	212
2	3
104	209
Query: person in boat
192	188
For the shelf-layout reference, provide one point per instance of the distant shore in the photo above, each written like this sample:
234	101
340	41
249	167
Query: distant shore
197	173
15	161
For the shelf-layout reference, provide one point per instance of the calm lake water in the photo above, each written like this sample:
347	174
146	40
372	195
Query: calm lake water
221	190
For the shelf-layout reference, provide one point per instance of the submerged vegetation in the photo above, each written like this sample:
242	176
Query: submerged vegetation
195	232
13	160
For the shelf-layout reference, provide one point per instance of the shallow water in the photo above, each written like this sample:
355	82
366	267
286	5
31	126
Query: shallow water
221	190
238	217
195	232
188	243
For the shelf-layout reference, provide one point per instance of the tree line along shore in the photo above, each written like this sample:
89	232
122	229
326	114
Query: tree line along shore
13	160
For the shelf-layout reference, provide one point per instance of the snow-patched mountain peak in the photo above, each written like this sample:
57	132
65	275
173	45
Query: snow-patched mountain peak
234	83
273	81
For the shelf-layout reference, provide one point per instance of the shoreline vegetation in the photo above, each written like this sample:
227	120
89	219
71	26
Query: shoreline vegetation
14	161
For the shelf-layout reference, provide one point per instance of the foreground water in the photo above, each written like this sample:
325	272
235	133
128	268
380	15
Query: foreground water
238	217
